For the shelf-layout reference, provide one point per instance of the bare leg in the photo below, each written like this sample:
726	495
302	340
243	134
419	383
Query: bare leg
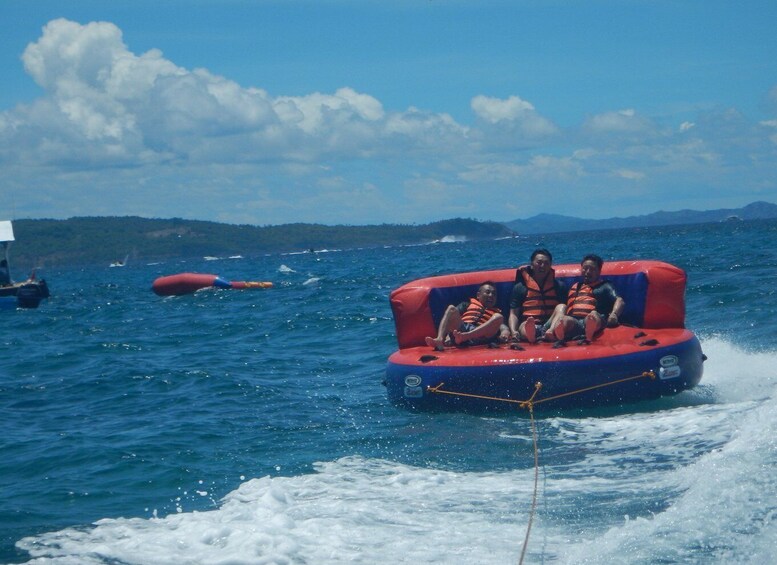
528	330
560	331
565	327
593	322
558	314
451	320
489	329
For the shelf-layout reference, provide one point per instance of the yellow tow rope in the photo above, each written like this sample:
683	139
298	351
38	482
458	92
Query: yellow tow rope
531	402
529	405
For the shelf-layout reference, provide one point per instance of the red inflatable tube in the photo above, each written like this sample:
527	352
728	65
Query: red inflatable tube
654	292
186	283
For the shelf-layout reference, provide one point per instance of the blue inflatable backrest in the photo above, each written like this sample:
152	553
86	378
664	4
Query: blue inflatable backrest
441	298
631	287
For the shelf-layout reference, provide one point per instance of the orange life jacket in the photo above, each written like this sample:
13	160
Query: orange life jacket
539	302
581	300
478	314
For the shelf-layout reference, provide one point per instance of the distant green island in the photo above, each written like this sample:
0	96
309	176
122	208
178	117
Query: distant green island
104	240
96	240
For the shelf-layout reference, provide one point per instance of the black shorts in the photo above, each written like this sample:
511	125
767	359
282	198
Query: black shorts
578	330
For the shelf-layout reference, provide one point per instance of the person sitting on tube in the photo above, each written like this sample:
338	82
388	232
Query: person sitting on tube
535	296
474	322
592	305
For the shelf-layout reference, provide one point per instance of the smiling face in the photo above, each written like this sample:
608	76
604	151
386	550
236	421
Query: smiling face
540	266
590	271
487	295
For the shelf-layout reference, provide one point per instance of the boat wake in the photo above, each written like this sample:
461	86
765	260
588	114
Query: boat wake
685	483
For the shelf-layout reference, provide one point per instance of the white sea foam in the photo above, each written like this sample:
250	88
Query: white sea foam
725	509
285	269
450	239
737	374
351	510
692	483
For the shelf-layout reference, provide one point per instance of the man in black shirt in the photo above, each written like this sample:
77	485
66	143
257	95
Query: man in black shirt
535	297
592	304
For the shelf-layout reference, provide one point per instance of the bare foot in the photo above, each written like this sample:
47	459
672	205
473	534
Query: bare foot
530	329
559	331
458	337
434	343
591	325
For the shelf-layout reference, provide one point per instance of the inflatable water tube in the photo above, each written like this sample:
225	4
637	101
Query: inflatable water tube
649	355
186	283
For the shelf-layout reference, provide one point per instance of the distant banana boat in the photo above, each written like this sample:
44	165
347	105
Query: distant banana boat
187	283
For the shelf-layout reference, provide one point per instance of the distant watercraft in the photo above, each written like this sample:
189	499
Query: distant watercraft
27	294
187	283
120	263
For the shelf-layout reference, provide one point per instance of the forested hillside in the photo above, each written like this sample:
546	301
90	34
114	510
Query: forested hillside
90	240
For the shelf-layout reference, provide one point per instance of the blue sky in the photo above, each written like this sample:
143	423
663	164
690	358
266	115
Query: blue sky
365	112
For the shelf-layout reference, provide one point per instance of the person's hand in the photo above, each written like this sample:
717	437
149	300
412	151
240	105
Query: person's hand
612	320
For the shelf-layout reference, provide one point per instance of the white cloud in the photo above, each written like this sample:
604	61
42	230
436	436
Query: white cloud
116	132
540	168
495	110
99	92
629	174
618	122
315	112
417	133
509	123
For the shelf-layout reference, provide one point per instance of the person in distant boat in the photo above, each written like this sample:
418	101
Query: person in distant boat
473	322
592	304
5	274
534	298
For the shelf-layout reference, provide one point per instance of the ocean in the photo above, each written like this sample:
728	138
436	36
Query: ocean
251	427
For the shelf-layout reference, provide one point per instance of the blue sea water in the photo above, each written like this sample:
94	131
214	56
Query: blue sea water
247	427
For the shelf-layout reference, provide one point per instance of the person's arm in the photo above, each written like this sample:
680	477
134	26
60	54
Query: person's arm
614	318
618	304
516	308
512	321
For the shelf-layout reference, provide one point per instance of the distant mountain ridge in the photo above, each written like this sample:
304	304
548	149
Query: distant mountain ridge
555	223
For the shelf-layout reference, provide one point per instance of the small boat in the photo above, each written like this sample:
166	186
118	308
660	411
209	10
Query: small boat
27	294
187	283
649	355
120	263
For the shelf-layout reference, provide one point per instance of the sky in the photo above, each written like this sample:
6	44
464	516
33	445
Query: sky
359	112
